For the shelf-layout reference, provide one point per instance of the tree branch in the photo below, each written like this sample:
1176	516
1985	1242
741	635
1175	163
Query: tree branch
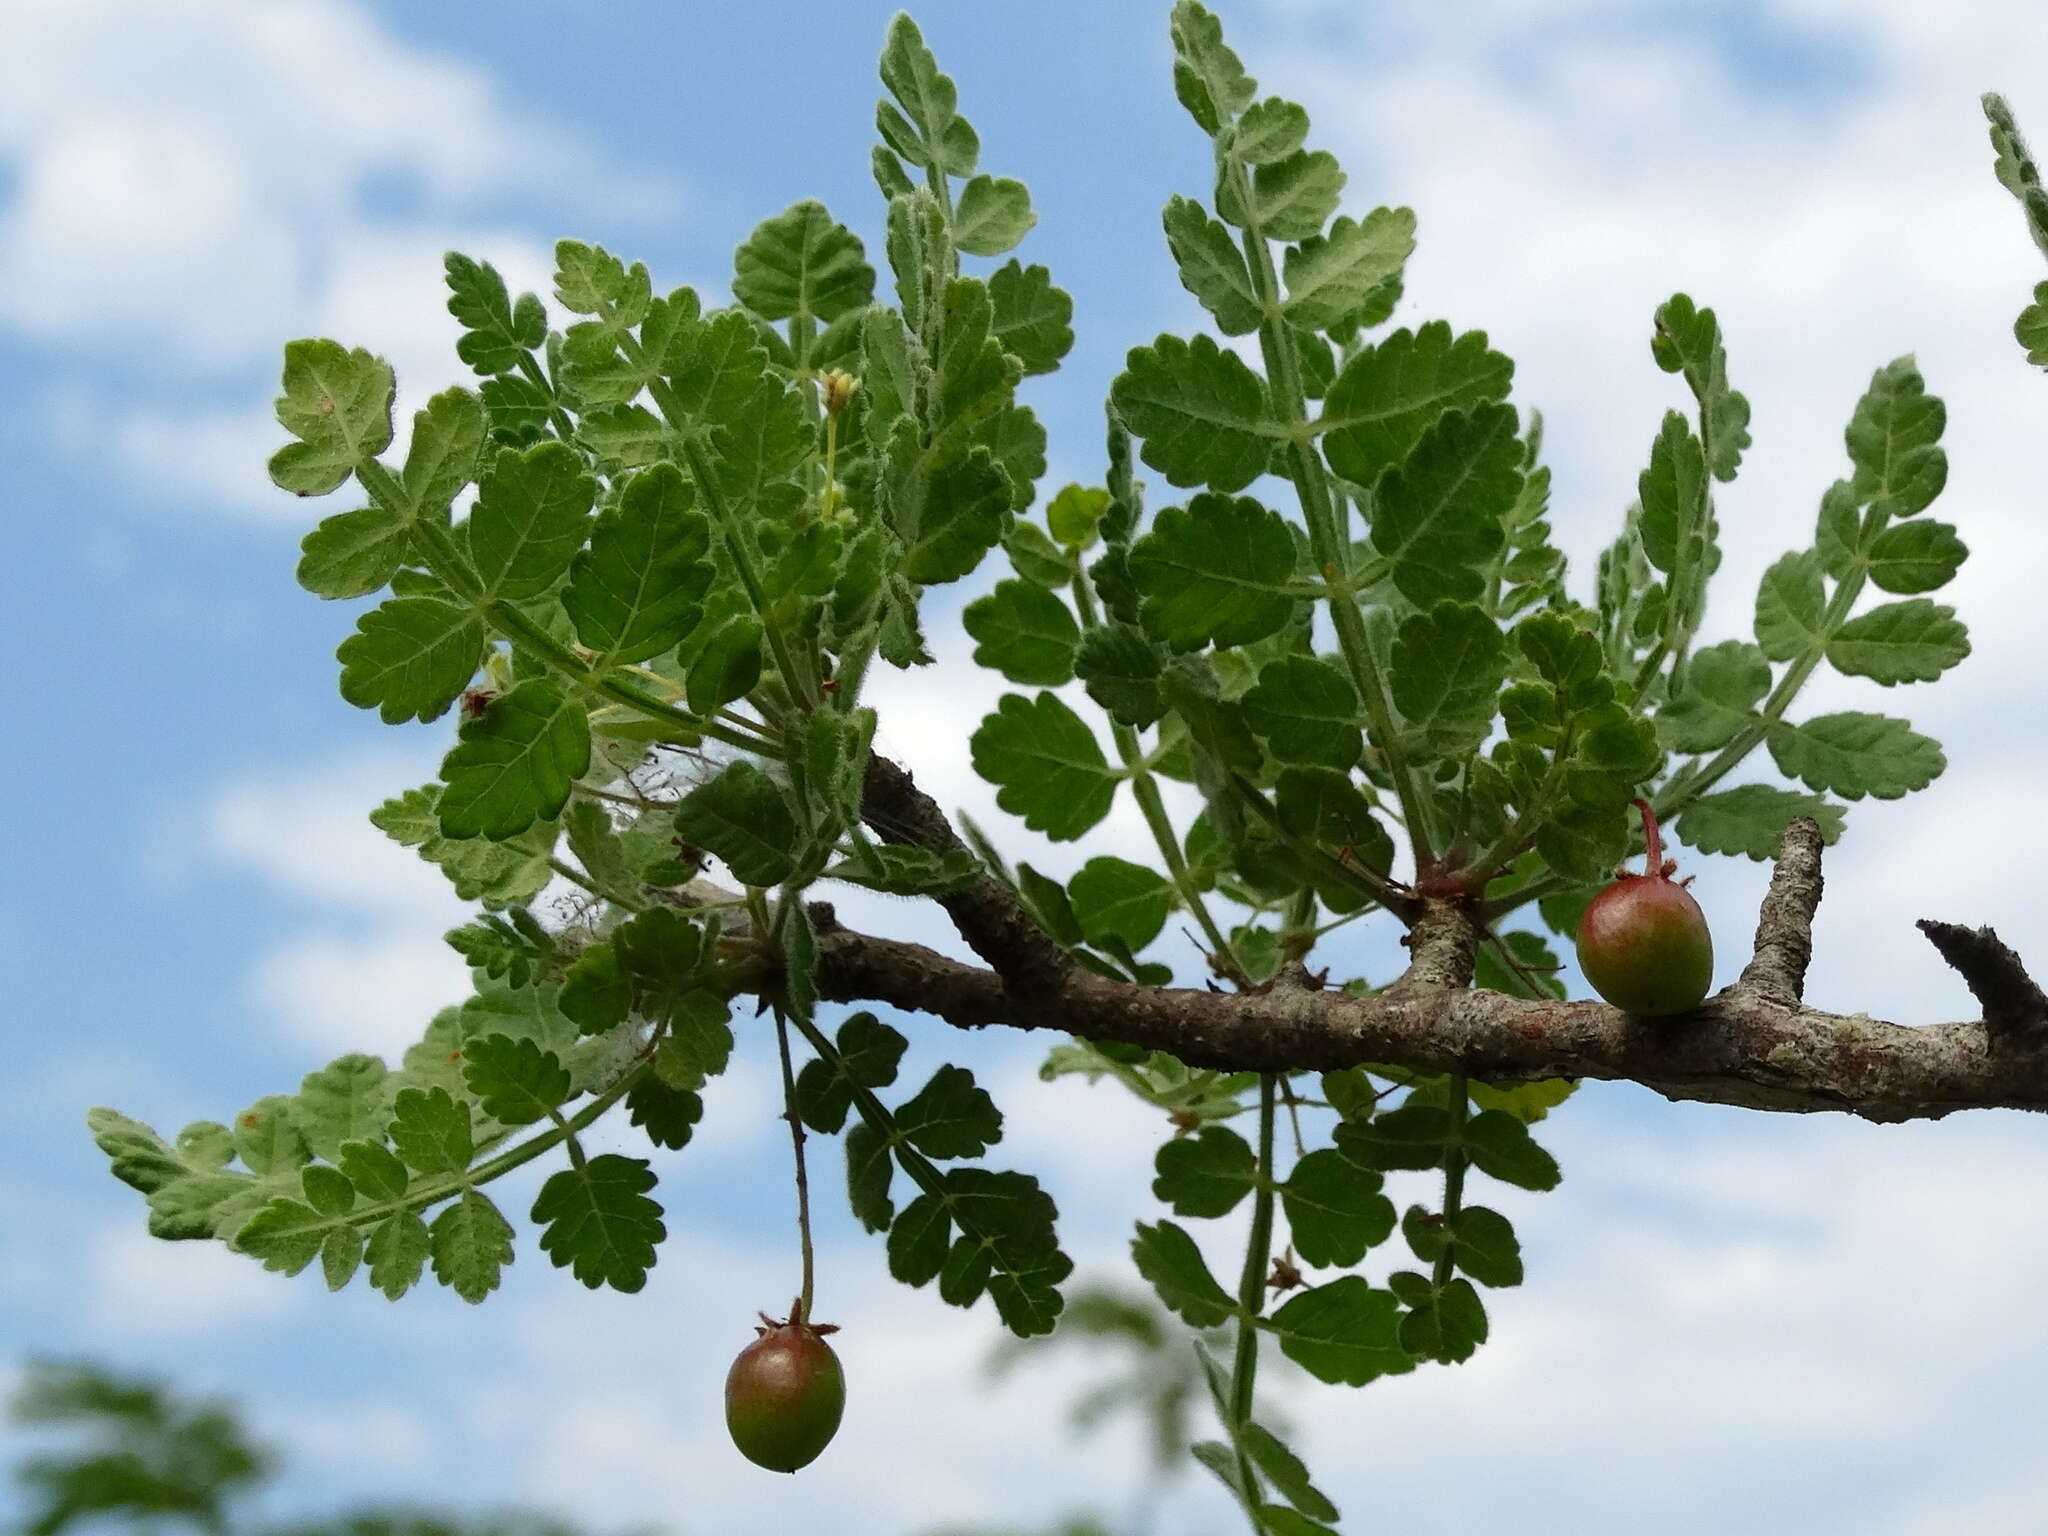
2015	1010
1754	1044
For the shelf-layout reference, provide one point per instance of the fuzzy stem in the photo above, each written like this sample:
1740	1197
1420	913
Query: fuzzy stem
1653	842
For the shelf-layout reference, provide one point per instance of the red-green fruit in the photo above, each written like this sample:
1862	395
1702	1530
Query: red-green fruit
1643	942
783	1397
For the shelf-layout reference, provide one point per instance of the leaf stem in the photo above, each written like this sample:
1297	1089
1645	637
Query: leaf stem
1454	1178
1251	1302
1145	789
1328	540
448	565
796	1137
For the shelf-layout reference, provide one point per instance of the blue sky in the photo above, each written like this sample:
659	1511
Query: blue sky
196	913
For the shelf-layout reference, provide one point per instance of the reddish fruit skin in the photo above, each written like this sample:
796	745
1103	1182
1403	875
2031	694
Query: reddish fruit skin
1644	945
783	1398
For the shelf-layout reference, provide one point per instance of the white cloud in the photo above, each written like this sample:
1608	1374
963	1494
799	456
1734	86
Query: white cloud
139	1288
195	184
367	969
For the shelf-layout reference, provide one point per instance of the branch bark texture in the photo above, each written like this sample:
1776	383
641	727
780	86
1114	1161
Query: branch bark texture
1755	1044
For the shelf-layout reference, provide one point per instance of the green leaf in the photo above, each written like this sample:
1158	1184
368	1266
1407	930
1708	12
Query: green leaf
590	280
1011	1219
950	1116
1438	516
1075	515
909	871
668	1115
410	658
1894	441
1688	341
1752	820
1167	1257
2030	330
1411	1137
1286	1472
1207	78
1854	755
600	1224
869	1167
397	1252
1205	1174
285	1235
445	453
1120	666
1279	1520
353	554
1447	1327
1723	685
1326	809
928	131
373	1169
1047	765
267	1136
950	517
600	850
1790	606
638	589
1500	1146
800	263
340	1256
1201	411
496	332
993	214
627	435
1531	1101
1341	1332
471	1243
1212	267
337	403
1387	396
1838	532
1024	632
349	1099
327	1189
1915	557
1115	899
868	1052
1333	279
1269	130
918	1240
532	514
1216	571
664	953
1291	198
728	666
516	409
1307	712
743	817
515	763
1910	642
1448	666
1483	1244
515	1081
430	1130
1335	1209
497	874
1675	516
1032	319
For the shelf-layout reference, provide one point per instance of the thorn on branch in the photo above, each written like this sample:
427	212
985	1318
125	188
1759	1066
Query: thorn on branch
2015	1009
1784	924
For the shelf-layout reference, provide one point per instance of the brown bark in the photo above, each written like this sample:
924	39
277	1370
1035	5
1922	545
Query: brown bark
1754	1044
